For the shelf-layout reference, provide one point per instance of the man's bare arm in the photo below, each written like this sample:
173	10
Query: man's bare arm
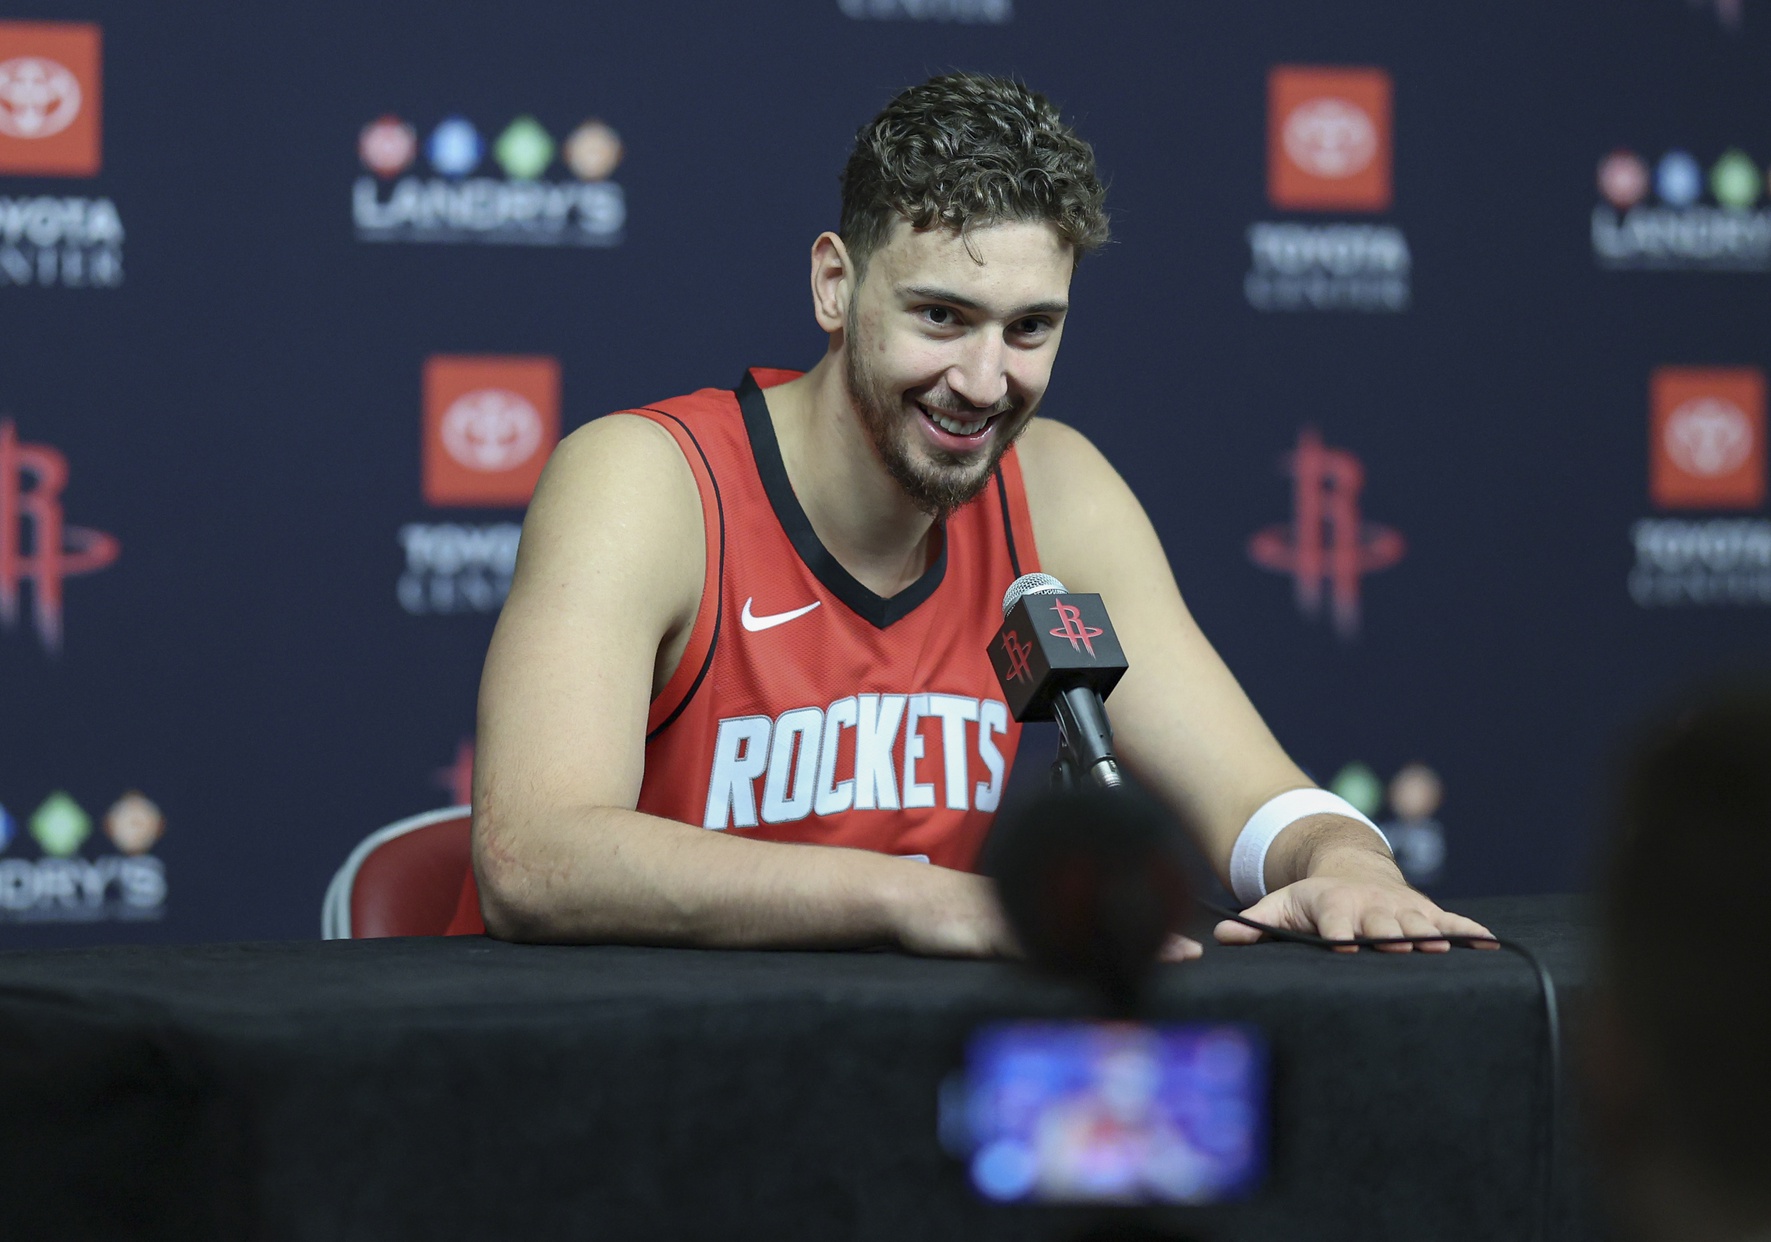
605	592
1183	724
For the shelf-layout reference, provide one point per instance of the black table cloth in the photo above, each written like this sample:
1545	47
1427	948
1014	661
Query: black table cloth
466	1088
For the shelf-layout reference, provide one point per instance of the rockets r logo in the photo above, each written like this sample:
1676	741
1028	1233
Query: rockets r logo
1017	652
1073	628
1328	543
53	551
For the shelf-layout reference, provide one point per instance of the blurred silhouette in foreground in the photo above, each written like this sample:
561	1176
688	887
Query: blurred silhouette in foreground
1679	1055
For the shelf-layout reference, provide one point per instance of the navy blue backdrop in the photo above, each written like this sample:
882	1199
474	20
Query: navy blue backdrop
1541	465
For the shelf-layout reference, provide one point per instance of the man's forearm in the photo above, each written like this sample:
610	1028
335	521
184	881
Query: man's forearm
611	875
1328	845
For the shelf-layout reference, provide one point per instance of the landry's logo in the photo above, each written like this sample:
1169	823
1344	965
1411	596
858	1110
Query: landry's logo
1329	149
49	99
1328	546
1658	220
62	885
1706	451
490	422
1072	628
1412	827
458	202
36	544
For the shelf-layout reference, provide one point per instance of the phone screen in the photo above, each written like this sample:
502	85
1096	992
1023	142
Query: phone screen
1097	1112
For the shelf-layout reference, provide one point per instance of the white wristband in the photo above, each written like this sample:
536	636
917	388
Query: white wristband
1248	857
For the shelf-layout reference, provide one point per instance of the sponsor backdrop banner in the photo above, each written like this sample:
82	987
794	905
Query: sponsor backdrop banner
1433	340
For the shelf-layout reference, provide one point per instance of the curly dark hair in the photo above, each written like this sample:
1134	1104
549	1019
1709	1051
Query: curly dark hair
963	150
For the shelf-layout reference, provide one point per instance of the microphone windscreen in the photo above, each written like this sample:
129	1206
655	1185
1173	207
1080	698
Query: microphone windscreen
1030	584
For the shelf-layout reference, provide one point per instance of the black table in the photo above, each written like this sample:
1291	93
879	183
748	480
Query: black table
471	1089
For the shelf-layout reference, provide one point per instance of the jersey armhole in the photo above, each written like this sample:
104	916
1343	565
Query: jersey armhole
697	657
1017	519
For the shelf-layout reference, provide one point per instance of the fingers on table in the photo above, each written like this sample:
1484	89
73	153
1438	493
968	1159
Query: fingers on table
1181	949
1384	924
1339	921
1274	910
1458	925
1416	923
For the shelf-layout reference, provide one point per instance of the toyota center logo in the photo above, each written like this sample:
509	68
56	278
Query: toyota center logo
1708	437
491	430
490	421
38	97
1330	138
1706	451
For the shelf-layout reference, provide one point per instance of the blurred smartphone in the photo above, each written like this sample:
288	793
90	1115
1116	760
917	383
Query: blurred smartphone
1100	1112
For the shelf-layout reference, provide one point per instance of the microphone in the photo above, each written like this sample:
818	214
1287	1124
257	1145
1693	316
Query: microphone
1092	881
1061	671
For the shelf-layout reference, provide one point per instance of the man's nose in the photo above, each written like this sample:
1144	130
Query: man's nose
978	377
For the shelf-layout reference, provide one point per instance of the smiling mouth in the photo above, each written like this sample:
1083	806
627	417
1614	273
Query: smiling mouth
953	426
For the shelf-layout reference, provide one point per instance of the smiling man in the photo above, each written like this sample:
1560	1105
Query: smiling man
749	626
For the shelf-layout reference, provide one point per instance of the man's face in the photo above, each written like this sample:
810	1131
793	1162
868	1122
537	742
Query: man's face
949	347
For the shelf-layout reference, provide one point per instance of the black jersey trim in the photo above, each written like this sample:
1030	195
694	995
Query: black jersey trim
878	610
1008	523
719	592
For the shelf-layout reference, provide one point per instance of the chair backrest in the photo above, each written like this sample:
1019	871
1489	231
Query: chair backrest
401	880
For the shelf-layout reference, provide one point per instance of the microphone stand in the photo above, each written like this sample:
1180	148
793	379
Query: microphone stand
1085	737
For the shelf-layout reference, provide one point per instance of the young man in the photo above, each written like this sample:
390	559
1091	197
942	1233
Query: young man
766	612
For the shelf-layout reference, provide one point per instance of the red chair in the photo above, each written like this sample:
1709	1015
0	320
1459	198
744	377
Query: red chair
402	880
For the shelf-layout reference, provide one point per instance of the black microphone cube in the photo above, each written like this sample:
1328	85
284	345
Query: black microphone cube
1051	641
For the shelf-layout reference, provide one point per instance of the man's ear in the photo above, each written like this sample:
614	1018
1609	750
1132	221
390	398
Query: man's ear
833	282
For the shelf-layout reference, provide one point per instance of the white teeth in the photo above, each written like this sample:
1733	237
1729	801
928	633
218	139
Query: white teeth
955	426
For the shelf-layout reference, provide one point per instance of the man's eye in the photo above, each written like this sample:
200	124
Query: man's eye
939	316
1033	327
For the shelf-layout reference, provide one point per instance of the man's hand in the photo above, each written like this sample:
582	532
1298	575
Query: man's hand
1355	892
953	914
950	914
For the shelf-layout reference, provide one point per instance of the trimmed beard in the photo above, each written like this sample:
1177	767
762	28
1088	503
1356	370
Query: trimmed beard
951	482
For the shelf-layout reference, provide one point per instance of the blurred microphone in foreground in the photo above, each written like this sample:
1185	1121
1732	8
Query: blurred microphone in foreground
1678	1085
1093	883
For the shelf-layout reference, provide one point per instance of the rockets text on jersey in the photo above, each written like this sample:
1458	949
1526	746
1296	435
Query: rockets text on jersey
799	756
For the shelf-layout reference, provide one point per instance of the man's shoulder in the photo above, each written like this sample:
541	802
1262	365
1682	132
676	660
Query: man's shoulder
1061	466
702	403
1074	496
619	507
624	471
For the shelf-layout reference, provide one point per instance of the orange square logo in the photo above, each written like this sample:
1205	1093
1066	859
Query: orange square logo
489	423
1328	138
49	99
1707	431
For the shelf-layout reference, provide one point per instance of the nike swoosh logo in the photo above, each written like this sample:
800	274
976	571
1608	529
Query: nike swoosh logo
754	623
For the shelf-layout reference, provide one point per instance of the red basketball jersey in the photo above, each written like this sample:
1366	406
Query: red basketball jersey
807	708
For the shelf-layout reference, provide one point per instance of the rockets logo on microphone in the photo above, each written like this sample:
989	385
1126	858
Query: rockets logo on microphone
1017	653
1031	656
1074	629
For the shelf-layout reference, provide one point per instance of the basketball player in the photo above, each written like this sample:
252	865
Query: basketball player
749	626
